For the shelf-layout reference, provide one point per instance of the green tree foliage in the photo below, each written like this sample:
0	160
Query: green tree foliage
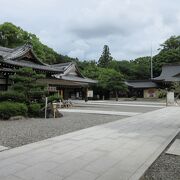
34	110
134	69
25	82
176	88
9	109
12	96
89	68
169	53
125	67
12	36
105	58
109	80
142	68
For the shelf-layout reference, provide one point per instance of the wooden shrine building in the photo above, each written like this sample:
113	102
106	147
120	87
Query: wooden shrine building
64	78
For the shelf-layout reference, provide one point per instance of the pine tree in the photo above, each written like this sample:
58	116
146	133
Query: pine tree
25	82
105	58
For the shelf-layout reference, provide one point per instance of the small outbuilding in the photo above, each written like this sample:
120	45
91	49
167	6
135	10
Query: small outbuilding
142	88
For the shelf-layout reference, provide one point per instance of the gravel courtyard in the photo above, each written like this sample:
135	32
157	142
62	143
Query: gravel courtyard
21	132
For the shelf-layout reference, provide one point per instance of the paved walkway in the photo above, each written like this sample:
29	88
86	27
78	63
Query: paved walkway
117	103
88	111
115	151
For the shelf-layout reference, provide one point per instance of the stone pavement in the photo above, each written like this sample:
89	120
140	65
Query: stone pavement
119	150
174	148
88	111
124	103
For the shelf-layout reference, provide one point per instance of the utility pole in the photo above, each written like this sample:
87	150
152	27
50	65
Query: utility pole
151	63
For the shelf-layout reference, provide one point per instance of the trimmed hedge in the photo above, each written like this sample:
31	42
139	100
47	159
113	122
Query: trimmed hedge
34	110
54	97
9	109
13	96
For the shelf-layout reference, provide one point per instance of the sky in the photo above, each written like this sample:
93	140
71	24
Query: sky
80	28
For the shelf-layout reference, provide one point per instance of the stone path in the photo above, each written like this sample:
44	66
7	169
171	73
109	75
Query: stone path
130	104
175	148
120	150
87	111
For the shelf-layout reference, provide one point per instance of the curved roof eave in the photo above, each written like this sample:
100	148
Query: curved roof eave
22	50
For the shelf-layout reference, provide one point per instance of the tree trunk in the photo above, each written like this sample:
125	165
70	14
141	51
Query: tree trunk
116	96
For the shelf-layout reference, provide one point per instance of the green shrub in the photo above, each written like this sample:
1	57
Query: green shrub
54	97
9	109
162	93
34	110
12	96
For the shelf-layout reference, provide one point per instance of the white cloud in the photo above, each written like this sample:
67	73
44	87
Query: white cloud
80	28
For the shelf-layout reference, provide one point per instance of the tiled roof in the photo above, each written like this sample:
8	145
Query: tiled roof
62	66
5	51
12	57
141	84
31	65
16	57
78	79
170	72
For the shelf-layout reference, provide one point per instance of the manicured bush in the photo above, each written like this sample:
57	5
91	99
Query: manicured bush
9	109
54	97
34	110
12	96
162	93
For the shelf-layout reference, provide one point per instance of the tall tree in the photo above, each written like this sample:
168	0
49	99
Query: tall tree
105	58
109	80
115	82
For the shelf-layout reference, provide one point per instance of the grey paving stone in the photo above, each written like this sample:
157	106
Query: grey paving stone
63	158
119	113
68	168
175	148
11	169
63	149
11	177
82	175
45	165
114	174
120	153
34	159
101	165
11	160
32	173
93	155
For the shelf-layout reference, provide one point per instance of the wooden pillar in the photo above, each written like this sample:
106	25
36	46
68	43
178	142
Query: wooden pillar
61	93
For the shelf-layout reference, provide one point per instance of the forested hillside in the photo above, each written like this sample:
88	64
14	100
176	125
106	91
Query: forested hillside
12	36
